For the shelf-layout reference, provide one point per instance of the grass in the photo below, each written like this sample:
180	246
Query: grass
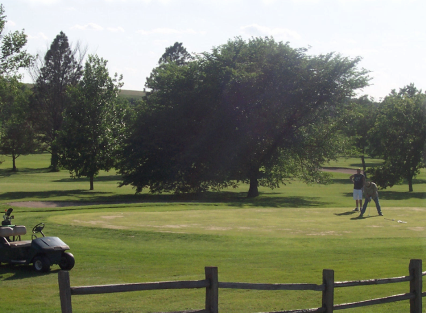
354	163
287	235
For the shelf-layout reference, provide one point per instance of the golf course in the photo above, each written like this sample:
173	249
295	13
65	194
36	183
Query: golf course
286	235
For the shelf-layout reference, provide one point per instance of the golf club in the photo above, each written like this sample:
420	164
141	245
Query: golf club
369	207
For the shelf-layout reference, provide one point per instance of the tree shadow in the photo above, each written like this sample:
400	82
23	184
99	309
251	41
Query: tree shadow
398	195
81	195
348	194
417	182
367	164
93	198
9	172
342	181
85	179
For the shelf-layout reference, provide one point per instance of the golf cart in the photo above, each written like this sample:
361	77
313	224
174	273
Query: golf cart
41	251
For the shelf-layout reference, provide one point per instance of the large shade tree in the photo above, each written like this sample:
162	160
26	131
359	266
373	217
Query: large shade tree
399	137
60	68
89	136
254	111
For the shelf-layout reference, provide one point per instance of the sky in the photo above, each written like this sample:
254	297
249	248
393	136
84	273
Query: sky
389	35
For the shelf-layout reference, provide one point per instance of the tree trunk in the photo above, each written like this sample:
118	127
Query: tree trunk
54	160
364	168
91	182
14	169
410	184
253	191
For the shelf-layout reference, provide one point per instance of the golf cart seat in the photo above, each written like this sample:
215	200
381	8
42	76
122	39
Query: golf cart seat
6	231
20	244
14	231
19	230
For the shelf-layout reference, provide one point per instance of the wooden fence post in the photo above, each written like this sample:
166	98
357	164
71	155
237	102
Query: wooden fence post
212	292
328	293
415	269
65	291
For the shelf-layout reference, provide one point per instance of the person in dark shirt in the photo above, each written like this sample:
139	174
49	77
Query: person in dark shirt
358	179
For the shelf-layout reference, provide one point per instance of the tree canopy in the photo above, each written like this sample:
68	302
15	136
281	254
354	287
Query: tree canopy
176	54
12	53
16	135
254	111
16	131
399	137
88	139
358	119
60	68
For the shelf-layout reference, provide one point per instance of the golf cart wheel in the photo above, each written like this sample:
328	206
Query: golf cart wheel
41	263
67	261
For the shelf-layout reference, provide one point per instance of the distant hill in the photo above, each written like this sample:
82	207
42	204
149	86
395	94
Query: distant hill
132	93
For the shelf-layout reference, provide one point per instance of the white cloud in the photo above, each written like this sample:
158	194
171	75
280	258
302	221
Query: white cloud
255	30
43	2
116	29
38	36
144	1
90	26
295	1
10	23
169	31
360	52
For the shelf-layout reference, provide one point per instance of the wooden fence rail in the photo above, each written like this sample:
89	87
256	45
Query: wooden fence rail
211	284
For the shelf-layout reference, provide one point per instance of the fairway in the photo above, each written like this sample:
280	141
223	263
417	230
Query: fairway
286	235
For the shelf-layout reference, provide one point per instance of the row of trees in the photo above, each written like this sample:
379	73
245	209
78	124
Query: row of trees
14	125
257	111
72	111
393	130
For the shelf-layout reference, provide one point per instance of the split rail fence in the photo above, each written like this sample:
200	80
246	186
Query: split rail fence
211	284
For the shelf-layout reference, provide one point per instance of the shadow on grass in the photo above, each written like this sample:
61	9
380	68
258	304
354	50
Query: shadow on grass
21	272
396	195
352	212
45	195
237	199
417	182
342	181
367	164
364	217
116	178
8	171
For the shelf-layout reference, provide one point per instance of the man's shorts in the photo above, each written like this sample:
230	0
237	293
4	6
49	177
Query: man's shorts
357	194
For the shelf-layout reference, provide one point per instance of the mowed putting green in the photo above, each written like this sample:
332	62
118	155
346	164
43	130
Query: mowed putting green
269	222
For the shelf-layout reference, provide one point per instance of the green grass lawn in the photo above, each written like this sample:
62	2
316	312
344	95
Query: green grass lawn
287	235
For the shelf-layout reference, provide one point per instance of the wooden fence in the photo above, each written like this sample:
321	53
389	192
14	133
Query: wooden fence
212	285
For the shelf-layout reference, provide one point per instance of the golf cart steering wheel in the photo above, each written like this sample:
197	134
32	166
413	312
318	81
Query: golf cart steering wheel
38	229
